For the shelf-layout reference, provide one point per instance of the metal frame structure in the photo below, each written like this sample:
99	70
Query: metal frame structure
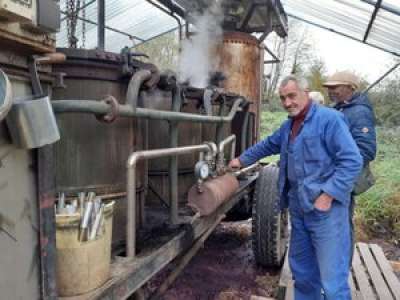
378	6
179	14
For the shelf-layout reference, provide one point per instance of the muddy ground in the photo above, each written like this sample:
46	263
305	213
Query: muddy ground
224	269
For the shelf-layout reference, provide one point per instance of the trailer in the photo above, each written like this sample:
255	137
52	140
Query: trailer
80	124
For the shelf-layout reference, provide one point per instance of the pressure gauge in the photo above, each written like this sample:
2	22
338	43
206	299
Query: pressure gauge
201	170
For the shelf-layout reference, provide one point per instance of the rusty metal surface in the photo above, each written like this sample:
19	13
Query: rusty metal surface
47	230
19	224
213	193
189	134
96	152
241	60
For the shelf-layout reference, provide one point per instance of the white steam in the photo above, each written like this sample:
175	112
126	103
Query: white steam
197	58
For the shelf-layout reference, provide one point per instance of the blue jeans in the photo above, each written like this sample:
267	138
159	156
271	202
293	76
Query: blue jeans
319	252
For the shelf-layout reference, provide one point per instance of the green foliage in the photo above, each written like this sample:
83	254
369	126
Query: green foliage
386	101
316	76
271	121
162	51
379	208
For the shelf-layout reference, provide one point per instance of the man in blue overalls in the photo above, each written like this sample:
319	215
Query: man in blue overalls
319	162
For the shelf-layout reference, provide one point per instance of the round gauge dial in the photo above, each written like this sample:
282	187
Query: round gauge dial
202	170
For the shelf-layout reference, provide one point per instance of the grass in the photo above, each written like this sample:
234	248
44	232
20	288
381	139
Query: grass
378	210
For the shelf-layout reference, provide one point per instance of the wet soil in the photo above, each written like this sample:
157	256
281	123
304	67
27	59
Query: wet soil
224	269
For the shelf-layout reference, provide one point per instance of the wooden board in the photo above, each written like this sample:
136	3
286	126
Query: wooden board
386	270
371	277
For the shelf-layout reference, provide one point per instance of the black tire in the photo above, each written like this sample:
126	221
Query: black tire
269	225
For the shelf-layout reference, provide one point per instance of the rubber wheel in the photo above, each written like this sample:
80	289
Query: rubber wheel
269	225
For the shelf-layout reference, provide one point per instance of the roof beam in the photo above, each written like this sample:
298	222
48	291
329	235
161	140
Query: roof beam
372	20
132	37
343	34
247	15
385	7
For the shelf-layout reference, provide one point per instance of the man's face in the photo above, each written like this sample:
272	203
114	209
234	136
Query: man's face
293	99
340	93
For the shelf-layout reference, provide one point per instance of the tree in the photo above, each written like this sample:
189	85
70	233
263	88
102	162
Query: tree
295	54
162	51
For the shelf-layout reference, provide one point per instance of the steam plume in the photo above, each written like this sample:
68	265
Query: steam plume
196	59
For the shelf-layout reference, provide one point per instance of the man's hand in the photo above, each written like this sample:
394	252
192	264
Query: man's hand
235	164
323	202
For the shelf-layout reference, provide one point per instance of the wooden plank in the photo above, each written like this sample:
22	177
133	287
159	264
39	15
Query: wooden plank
351	281
387	271
375	274
361	277
286	274
290	291
356	295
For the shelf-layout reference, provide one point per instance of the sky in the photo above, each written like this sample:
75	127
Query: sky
341	53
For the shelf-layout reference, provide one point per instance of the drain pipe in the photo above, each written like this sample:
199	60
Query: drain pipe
131	184
134	86
243	136
173	160
102	108
221	149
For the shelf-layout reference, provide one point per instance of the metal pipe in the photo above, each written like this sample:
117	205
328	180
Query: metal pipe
173	160
101	20
131	184
101	108
221	149
247	169
134	86
220	127
171	13
245	128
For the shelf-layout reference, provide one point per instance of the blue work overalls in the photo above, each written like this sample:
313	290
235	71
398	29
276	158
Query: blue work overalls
317	241
323	158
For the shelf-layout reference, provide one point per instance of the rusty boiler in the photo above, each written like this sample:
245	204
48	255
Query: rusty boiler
92	155
206	197
241	59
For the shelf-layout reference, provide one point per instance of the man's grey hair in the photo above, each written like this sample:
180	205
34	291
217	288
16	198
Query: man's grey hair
300	82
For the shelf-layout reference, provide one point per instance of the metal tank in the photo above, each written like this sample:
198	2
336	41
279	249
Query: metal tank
20	266
91	155
241	59
159	137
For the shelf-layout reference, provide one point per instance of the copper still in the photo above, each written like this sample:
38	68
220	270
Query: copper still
241	60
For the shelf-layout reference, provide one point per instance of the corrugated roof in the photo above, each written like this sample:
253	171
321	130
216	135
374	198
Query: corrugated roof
373	22
135	17
144	21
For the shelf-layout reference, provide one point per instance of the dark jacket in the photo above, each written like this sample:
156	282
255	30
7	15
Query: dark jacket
327	158
361	119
